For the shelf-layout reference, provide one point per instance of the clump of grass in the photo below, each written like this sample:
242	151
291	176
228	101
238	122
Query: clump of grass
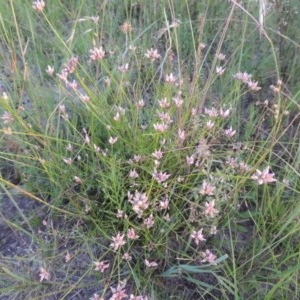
155	148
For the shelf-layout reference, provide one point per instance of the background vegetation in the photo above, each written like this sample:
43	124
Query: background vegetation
147	164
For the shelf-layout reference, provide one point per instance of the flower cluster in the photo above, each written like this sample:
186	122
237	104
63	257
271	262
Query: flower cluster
246	78
176	123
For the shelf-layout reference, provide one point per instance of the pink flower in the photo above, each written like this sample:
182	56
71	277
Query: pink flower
253	85
164	117
62	109
124	68
220	56
71	65
100	266
152	54
126	27
210	210
212	112
119	292
38	5
170	78
157	154
118	295
97	53
72	85
44	274
202	46
133	174
85	98
230	132
244	77
224	113
7	117
149	222
263	176
164	103
118	241
141	103
208	256
127	256
190	160
63	75
178	100
131	234
160	177
243	166
275	89
164	204
232	162
207	189
198	236
137	158
120	214
160	127
181	135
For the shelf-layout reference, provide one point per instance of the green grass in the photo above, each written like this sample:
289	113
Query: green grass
56	150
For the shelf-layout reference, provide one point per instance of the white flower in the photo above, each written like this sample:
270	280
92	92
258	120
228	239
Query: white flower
150	264
220	70
113	140
50	70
